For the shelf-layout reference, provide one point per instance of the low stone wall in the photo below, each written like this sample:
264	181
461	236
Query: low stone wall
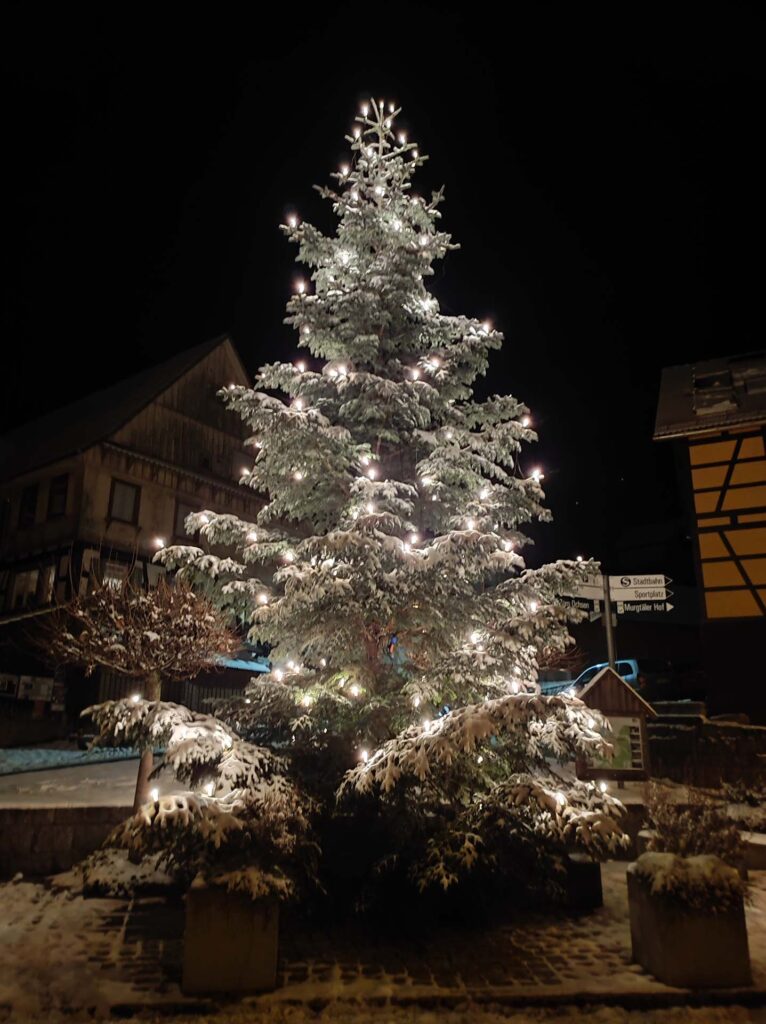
45	840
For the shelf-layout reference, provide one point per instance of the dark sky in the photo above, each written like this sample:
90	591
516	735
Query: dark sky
604	178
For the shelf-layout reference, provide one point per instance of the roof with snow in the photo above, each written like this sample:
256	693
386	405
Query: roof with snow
712	395
92	419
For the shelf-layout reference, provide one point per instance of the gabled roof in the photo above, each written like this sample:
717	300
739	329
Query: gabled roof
607	677
712	395
94	418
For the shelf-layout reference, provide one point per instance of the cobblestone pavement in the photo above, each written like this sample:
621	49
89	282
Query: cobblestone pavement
58	951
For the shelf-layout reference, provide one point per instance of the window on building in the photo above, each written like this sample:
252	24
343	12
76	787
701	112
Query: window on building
28	506
47	581
25	588
57	494
183	509
114	574
123	503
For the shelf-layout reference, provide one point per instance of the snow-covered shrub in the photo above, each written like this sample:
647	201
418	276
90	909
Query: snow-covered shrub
700	882
700	826
236	815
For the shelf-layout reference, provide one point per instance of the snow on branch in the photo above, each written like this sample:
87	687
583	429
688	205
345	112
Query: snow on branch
562	725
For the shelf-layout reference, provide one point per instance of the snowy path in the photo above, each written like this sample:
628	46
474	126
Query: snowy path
62	954
104	785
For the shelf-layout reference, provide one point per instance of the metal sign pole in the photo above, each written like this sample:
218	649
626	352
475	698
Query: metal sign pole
608	624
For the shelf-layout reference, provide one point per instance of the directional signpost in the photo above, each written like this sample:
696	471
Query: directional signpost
646	594
638	595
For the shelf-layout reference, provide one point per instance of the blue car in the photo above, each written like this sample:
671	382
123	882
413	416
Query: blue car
645	675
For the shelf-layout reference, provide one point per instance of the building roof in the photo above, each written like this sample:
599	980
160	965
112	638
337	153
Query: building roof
712	395
92	419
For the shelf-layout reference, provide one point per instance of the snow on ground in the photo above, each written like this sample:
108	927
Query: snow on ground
101	785
471	1013
46	940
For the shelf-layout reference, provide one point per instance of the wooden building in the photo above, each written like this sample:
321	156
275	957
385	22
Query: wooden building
715	413
95	488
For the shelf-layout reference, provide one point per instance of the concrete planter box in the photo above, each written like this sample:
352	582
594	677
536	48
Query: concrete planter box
684	947
230	942
583	884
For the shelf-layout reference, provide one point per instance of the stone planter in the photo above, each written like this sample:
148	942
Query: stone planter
230	942
685	947
583	884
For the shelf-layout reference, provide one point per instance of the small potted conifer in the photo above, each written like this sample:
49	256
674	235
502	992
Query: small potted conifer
686	897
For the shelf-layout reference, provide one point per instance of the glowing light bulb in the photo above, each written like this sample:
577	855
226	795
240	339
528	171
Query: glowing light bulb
248	701
291	665
406	547
307	700
434	362
372	473
159	542
300	287
537	475
391	108
479	759
560	799
300	366
425	481
470	523
525	421
365	755
365	460
370	508
298	404
396	224
135	698
323	662
263	598
356	132
414	538
402	138
416	702
507	545
297	475
414	154
210	788
579	558
252	536
154	794
426	723
514	687
342	370
415	373
354	195
354	690
226	742
292	221
289	556
378	190
344	169
533	606
424	240
484	493
370	151
279	674
364	109
590	722
603	787
475	637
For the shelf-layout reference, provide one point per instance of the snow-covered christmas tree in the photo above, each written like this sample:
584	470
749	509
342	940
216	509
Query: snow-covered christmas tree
386	566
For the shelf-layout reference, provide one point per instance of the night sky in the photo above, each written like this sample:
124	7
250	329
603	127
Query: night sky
604	178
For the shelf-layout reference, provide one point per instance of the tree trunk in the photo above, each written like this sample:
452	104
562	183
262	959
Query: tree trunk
152	691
